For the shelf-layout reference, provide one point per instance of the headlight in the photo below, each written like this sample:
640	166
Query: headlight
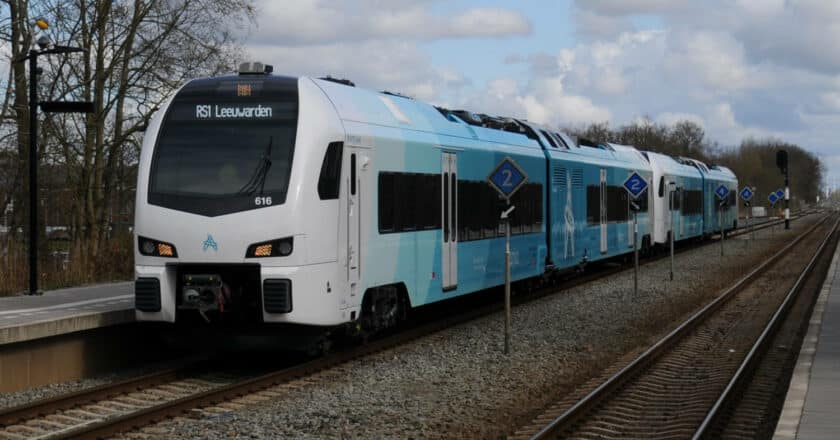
275	248
154	248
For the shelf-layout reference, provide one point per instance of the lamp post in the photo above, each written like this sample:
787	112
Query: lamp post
46	48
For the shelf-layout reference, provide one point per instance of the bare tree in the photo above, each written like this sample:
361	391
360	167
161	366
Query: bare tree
138	53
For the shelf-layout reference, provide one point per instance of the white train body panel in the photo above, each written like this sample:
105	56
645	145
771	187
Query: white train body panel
665	170
320	252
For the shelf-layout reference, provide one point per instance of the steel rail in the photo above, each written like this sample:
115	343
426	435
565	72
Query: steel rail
48	405
591	400
750	361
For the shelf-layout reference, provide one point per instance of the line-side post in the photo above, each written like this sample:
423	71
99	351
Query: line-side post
749	225
787	201
507	279
720	224
33	173
506	178
671	234
635	255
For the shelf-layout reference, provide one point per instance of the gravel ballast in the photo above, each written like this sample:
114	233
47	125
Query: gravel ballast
457	383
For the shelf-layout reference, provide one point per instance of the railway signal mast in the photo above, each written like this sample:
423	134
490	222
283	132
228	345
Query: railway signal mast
507	178
722	191
747	194
635	186
782	163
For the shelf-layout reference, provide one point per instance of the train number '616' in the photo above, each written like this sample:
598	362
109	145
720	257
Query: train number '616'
262	201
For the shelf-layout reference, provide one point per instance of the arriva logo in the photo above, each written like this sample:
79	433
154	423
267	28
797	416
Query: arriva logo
210	243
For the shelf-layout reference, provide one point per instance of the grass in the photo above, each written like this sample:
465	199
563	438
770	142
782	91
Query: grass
61	268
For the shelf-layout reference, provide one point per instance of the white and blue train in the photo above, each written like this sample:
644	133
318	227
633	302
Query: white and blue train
270	199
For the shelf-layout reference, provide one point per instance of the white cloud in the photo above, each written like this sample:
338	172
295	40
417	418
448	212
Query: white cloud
714	59
395	66
307	22
631	7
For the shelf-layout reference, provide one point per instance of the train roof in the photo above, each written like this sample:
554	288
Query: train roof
714	172
394	110
669	165
630	153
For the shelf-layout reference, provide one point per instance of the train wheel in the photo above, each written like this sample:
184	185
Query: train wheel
383	308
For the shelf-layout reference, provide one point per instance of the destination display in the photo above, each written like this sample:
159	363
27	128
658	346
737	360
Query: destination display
228	111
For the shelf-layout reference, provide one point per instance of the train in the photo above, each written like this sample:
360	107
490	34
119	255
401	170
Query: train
269	199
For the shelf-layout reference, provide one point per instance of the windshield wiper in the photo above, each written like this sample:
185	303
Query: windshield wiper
257	180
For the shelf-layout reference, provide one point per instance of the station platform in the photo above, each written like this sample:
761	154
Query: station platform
812	405
63	311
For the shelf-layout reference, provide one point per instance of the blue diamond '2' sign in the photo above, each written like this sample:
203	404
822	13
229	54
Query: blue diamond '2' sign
780	194
773	198
746	193
507	177
722	191
635	185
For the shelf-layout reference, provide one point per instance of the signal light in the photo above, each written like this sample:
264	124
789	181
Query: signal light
281	247
782	160
154	248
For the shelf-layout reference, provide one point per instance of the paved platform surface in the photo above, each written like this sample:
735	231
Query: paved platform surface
812	406
24	318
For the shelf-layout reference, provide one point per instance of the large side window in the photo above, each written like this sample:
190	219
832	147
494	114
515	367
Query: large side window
643	201
731	200
593	204
692	203
386	202
428	200
329	181
618	208
408	202
479	209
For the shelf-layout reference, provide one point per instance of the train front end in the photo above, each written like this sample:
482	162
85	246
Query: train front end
231	223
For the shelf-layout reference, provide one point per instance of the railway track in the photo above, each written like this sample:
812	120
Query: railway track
690	383
127	405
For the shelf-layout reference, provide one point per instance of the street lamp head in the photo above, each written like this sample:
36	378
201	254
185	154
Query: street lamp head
42	24
44	42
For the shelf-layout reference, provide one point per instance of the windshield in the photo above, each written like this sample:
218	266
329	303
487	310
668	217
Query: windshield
221	157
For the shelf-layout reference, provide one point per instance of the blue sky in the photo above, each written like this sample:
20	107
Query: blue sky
740	68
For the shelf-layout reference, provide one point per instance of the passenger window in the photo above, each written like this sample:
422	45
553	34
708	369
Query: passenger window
353	174
329	181
408	202
593	204
386	202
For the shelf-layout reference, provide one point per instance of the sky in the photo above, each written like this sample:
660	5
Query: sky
739	68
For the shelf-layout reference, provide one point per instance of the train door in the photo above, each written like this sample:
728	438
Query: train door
603	211
354	211
449	199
